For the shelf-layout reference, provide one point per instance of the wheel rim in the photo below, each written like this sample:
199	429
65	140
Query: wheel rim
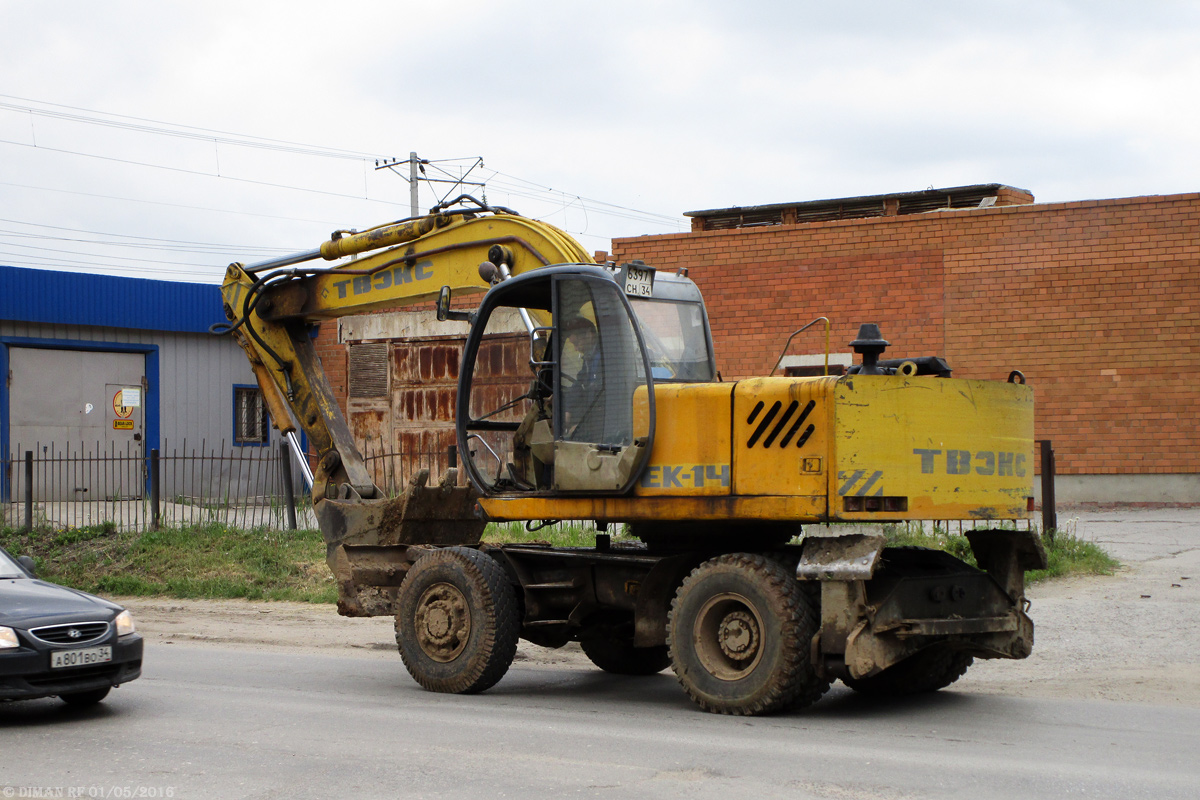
728	636
442	622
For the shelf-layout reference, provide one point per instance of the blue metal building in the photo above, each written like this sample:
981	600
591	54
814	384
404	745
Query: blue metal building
104	364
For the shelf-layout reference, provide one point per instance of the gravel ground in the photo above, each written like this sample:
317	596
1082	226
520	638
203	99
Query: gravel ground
1133	636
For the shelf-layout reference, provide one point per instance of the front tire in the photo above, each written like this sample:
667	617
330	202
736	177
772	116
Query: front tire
457	621
739	632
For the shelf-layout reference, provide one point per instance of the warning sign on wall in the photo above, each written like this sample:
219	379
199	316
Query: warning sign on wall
123	409
122	424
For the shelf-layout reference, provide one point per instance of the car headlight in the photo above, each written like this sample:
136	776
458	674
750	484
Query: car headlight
124	623
8	638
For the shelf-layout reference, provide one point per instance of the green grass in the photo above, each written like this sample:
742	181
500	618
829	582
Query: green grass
212	561
1066	553
558	535
201	561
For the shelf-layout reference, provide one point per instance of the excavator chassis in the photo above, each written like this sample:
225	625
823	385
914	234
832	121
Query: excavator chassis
876	609
750	575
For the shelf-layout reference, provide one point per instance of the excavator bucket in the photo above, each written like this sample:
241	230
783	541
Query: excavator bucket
370	544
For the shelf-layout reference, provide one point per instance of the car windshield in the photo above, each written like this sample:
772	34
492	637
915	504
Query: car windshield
675	339
9	568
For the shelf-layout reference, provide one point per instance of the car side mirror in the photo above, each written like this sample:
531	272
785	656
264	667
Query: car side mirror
29	566
443	308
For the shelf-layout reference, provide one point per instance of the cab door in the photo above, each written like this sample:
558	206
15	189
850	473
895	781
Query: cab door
587	422
602	377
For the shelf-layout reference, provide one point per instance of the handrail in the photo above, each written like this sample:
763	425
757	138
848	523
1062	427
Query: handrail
499	460
788	344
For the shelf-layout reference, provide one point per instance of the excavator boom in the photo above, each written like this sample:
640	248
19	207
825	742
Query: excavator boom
272	305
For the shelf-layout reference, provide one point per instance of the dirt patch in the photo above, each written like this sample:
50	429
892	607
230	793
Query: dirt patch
1133	636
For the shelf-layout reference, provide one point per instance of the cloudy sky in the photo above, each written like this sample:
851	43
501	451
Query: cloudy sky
166	139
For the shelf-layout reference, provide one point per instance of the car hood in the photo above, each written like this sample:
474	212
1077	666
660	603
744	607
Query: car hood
27	602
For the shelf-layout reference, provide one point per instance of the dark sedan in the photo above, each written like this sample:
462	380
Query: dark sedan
58	642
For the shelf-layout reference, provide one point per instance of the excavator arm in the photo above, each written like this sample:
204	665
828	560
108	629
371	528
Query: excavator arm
271	308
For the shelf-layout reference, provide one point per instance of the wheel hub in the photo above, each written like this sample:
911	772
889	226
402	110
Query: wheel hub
728	636
443	622
738	635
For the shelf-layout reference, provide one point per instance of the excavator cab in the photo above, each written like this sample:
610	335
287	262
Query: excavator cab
585	420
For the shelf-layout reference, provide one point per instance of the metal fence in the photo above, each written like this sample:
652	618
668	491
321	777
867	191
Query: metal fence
79	485
73	486
393	470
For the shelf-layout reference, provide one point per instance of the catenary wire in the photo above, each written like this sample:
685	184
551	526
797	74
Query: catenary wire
174	129
178	130
199	173
513	185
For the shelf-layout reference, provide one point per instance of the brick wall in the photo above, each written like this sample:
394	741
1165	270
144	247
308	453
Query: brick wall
1097	303
334	359
412	426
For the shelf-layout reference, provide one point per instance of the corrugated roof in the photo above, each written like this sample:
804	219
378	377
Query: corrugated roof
75	298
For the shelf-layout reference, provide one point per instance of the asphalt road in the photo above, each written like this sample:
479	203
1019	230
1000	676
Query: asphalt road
208	722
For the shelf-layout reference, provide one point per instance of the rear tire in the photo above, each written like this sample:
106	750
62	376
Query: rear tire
89	698
622	658
457	621
926	671
739	632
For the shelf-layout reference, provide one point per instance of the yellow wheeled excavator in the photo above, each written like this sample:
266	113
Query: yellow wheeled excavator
753	565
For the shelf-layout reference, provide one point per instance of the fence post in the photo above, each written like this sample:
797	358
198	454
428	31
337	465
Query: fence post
29	490
1049	506
289	496
155	520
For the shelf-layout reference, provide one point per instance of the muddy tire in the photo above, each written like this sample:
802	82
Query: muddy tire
739	632
926	671
622	658
457	621
89	698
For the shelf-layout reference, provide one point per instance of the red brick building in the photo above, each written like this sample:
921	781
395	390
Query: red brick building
1097	303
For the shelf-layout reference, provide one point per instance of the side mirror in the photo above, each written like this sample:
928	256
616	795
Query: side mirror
539	346
27	563
443	308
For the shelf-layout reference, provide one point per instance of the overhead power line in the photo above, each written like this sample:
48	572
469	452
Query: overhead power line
90	245
201	173
107	267
43	249
631	212
237	212
158	127
135	241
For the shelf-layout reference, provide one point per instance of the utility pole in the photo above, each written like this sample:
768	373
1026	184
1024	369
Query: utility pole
416	174
414	205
